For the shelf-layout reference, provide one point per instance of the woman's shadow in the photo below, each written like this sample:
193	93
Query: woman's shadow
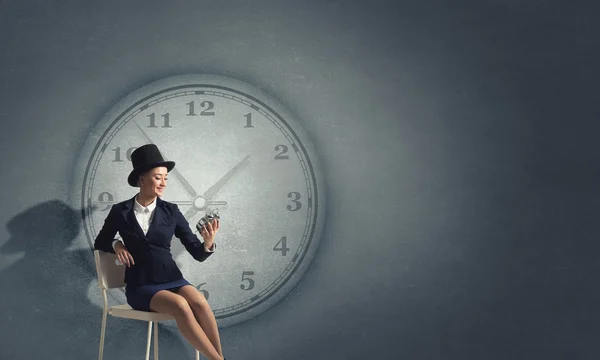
46	309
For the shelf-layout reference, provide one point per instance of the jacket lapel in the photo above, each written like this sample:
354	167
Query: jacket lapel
130	218
159	216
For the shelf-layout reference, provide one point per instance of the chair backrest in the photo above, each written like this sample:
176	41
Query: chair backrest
111	272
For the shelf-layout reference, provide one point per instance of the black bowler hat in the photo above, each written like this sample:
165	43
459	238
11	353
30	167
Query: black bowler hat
144	158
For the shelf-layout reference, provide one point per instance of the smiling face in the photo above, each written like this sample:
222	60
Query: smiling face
153	182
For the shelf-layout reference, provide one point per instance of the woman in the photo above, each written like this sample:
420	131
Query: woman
146	225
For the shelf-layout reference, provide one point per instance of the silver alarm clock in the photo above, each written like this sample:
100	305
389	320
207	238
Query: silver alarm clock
209	217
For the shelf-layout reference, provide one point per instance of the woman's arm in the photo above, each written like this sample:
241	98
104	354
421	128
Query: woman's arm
106	235
188	238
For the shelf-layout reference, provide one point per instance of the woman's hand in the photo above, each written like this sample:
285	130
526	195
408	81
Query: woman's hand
209	231
123	254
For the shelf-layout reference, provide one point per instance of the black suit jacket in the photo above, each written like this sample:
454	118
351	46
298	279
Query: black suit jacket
151	252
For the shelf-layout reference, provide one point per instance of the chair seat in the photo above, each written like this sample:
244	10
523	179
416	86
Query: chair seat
125	311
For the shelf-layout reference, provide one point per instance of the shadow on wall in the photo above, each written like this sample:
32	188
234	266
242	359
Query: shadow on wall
45	308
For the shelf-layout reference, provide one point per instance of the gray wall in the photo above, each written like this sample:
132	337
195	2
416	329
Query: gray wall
459	144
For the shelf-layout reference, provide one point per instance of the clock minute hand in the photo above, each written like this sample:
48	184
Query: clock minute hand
184	182
175	172
213	190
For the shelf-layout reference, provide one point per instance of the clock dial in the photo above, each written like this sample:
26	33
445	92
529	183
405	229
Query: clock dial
236	150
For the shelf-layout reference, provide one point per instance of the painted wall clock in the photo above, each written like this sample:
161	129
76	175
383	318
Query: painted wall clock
237	150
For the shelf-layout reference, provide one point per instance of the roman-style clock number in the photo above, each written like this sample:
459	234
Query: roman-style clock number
282	246
248	117
244	286
284	150
117	151
246	277
203	291
295	196
166	123
206	112
238	150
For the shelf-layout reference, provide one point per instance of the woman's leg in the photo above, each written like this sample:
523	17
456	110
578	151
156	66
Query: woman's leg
203	314
177	306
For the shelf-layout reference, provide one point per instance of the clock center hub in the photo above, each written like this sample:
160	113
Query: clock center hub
199	202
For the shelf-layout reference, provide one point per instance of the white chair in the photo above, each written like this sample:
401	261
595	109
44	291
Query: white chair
111	274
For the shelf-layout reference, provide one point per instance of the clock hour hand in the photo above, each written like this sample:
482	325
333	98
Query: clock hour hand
188	187
213	190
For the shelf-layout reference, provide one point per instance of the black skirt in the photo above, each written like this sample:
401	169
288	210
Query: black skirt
139	297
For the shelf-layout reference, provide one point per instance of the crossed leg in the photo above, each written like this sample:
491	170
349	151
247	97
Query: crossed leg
177	306
203	314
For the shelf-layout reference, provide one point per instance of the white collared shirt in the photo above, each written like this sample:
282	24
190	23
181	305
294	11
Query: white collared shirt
144	216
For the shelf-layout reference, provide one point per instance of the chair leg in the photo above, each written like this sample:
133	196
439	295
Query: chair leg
156	340
148	341
102	331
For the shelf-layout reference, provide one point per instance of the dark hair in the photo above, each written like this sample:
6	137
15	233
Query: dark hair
140	175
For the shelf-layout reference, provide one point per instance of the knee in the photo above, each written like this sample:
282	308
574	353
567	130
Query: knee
199	302
181	308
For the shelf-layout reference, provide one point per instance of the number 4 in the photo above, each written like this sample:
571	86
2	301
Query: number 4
284	249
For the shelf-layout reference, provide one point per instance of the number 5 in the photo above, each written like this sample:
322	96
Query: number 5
250	281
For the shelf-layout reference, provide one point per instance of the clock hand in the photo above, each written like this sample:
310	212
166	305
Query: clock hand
177	174
208	194
212	191
194	209
186	202
182	202
191	212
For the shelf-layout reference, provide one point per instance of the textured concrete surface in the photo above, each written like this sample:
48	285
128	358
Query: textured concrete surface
459	144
